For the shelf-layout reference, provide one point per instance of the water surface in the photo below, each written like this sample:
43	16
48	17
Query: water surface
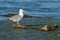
49	10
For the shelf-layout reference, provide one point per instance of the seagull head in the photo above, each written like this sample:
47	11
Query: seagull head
21	11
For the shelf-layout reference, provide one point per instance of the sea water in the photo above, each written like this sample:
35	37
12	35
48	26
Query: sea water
49	10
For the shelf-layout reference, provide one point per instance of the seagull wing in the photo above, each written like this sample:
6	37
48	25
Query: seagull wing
15	18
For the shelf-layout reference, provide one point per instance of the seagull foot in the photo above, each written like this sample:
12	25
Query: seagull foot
15	25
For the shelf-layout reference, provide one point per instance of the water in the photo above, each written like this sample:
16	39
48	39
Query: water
49	10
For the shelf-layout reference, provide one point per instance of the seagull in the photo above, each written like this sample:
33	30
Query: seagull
17	18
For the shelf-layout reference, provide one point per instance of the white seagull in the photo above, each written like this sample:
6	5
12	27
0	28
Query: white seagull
18	17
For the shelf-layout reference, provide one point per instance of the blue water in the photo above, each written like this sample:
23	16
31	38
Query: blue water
34	8
49	10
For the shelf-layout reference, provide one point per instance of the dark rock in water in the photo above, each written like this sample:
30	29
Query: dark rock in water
25	16
49	27
54	26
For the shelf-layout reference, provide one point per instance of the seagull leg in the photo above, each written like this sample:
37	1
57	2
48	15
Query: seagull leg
18	23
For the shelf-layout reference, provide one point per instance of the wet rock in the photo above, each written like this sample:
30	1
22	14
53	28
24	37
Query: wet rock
54	26
46	28
49	27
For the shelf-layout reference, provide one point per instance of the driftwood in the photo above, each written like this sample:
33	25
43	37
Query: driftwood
23	27
45	28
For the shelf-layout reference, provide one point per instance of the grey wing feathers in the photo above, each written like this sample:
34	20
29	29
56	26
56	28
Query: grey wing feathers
16	17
